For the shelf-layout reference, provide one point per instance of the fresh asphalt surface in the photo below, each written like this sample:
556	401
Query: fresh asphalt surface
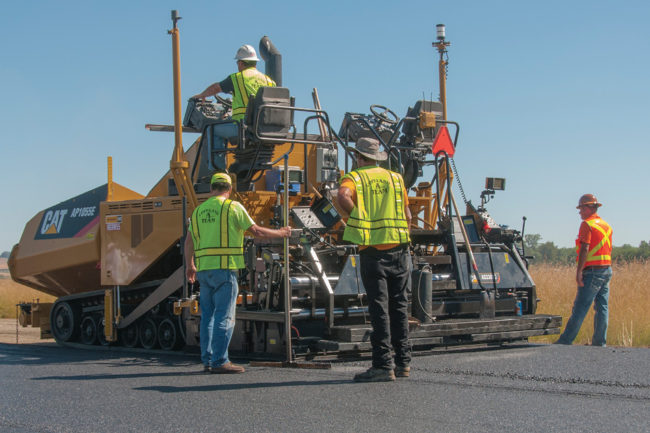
531	388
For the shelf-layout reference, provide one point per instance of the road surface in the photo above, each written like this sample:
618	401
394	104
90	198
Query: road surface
531	388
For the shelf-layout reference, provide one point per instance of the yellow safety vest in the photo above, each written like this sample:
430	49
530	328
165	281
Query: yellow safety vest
217	227
246	84
379	216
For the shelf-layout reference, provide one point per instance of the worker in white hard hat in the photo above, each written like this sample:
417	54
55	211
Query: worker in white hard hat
243	85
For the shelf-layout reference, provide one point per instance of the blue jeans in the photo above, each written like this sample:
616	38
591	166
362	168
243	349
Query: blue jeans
596	290
220	133
218	299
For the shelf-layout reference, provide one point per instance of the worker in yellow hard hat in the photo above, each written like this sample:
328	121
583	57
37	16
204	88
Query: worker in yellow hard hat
213	254
593	273
243	85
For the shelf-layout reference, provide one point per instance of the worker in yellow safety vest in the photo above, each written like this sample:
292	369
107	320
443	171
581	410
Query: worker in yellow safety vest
379	221
213	254
593	274
243	85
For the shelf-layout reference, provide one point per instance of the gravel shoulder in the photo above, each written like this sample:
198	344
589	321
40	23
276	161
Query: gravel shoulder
27	335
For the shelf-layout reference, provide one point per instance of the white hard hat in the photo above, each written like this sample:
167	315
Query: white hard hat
246	53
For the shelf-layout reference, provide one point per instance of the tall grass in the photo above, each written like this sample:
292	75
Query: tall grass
11	293
629	294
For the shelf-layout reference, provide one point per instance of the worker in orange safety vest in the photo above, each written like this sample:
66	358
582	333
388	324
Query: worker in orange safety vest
593	273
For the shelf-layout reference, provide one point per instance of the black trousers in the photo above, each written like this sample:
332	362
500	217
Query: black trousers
386	278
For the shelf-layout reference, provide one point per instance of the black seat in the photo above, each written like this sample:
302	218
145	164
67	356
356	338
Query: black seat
264	121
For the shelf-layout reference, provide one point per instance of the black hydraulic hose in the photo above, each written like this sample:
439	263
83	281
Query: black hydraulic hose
494	279
427	267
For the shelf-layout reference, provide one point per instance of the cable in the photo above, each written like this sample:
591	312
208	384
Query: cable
180	327
460	185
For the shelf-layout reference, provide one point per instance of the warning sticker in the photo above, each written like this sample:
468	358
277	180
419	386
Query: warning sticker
113	219
488	278
111	227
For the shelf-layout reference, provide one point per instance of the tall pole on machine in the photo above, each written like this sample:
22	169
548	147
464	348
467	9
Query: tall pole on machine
178	165
442	45
287	284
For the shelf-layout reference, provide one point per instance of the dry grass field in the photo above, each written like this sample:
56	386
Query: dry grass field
629	295
629	324
11	293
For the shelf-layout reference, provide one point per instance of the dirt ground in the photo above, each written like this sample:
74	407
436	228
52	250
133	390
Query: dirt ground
26	335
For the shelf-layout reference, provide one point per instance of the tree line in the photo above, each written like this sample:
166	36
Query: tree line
548	252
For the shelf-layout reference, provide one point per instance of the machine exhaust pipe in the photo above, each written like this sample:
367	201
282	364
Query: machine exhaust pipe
272	60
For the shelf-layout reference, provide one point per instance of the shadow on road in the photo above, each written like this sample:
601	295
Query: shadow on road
53	354
238	386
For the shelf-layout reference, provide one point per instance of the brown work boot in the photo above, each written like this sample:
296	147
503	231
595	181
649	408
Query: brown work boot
375	375
402	371
227	368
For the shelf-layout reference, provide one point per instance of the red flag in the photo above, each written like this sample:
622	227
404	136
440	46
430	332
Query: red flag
443	142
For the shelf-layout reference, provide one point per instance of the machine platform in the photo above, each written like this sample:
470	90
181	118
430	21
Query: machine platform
356	338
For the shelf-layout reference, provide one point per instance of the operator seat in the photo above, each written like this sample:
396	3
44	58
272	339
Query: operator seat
263	120
263	127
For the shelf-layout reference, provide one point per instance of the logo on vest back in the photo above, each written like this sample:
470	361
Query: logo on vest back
379	186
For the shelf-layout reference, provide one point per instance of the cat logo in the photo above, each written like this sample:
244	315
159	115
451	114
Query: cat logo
53	221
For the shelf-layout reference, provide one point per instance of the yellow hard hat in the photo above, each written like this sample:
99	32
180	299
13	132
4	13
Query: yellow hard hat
588	200
221	178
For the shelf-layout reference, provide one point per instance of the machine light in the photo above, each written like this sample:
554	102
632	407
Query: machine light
440	32
495	183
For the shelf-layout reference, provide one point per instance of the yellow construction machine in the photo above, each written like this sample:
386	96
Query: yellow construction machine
114	258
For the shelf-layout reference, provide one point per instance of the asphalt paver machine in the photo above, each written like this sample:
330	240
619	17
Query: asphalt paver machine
113	258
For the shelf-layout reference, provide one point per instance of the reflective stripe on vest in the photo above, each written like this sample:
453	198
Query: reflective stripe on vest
215	247
600	247
380	195
245	84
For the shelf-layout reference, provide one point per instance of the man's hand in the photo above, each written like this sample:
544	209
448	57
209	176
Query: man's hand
190	267
212	89
582	260
263	232
190	272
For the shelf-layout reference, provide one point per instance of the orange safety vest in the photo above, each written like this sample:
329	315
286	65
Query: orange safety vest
600	247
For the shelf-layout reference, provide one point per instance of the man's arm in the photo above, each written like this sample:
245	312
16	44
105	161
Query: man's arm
582	259
212	89
409	217
190	269
344	197
263	232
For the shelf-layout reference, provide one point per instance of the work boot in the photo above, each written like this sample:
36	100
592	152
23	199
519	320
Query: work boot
227	368
402	371
206	369
375	375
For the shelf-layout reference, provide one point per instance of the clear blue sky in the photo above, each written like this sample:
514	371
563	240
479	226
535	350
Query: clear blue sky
553	95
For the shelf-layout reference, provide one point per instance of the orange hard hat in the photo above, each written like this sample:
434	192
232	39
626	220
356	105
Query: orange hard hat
588	200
